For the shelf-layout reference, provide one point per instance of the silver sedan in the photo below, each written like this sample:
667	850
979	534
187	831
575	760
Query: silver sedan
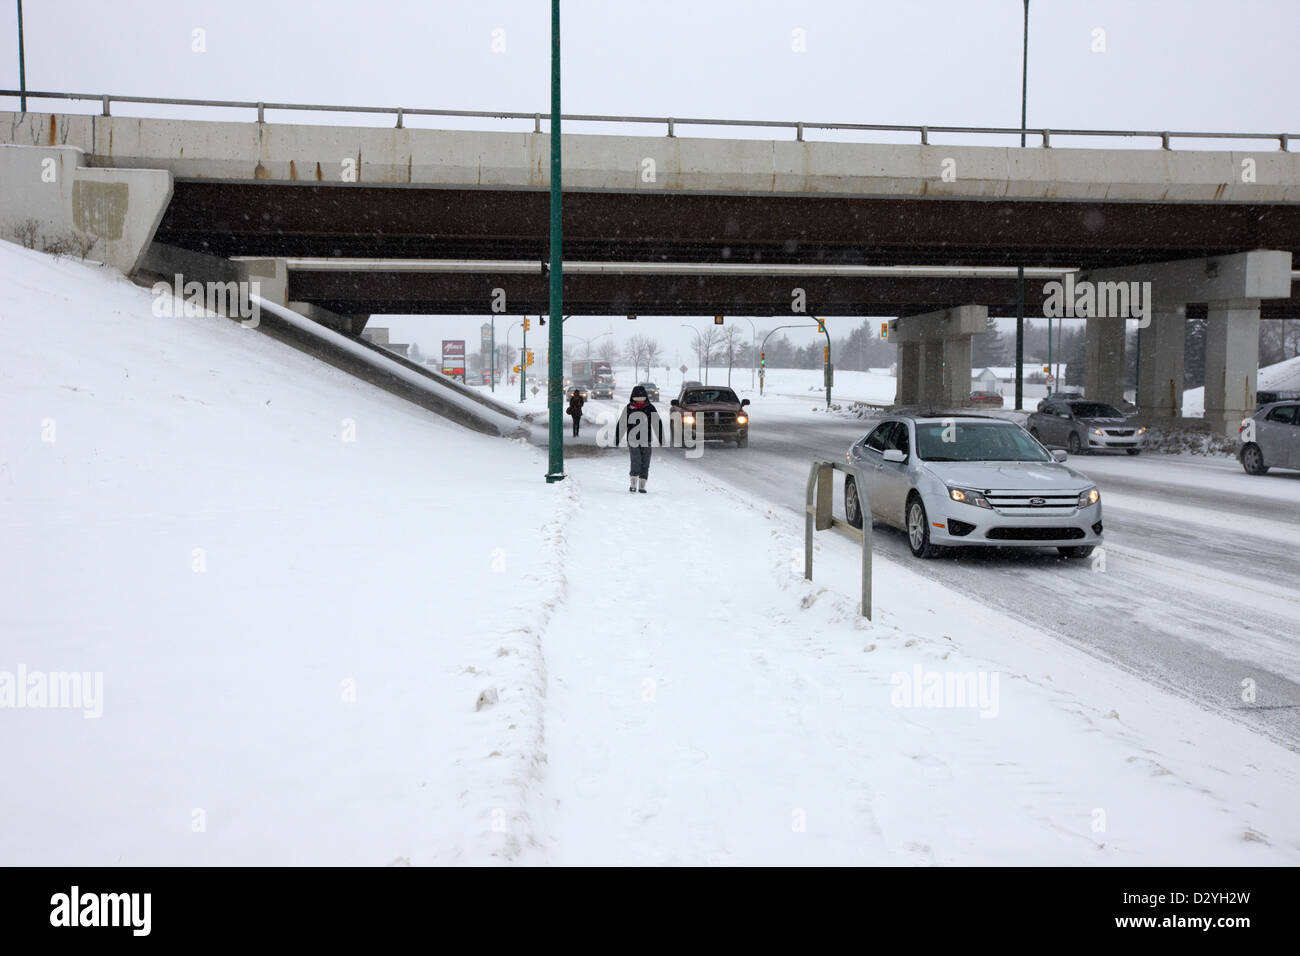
969	480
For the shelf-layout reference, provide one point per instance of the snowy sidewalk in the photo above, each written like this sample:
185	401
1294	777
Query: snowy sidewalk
705	704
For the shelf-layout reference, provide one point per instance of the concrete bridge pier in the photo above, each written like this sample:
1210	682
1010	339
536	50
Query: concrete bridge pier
1231	363
1103	360
1160	363
934	356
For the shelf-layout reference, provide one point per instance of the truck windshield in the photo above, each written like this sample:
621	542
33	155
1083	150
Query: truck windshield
976	441
699	396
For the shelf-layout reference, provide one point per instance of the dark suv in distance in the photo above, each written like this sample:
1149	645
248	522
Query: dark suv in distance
710	413
651	390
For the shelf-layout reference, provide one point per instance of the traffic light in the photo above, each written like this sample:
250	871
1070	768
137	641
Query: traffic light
527	326
884	330
821	324
530	356
717	320
515	369
632	318
762	360
1047	370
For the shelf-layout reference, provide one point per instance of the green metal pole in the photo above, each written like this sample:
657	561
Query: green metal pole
523	362
1020	270
828	364
555	360
22	67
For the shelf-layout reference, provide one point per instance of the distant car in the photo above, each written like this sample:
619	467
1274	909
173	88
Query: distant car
980	397
1268	397
1077	424
579	391
711	413
651	390
1275	442
602	390
692	384
1062	395
972	480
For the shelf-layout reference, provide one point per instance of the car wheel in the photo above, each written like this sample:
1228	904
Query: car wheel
1073	444
918	529
1134	451
1252	459
852	511
742	441
1076	551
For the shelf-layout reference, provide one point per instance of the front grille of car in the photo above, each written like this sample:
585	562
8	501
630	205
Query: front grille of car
1034	534
1120	432
1047	504
717	419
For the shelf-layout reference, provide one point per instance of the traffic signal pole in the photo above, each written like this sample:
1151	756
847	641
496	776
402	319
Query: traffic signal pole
523	362
555	355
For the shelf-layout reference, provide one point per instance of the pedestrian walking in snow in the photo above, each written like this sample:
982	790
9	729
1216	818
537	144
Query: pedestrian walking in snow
576	401
640	426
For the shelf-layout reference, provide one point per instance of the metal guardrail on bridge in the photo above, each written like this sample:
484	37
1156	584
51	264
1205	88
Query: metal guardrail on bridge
819	497
671	122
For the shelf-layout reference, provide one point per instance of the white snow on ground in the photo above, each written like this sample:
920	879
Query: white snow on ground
667	686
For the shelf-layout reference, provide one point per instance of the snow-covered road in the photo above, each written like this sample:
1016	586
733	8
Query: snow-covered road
1198	592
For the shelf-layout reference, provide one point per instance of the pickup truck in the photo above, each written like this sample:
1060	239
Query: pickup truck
710	413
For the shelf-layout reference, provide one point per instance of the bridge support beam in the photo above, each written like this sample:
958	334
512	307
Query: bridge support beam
1103	360
1231	363
1160	364
934	356
347	324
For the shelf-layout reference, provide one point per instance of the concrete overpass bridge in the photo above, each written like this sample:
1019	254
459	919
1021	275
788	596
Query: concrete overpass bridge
436	220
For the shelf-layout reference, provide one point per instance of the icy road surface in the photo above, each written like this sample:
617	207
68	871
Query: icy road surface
1199	591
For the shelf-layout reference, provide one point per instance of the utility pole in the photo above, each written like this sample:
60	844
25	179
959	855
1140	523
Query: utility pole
22	66
1020	270
555	360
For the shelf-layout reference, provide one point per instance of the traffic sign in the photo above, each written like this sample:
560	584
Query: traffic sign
684	369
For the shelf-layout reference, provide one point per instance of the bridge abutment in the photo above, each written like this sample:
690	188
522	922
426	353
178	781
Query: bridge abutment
934	352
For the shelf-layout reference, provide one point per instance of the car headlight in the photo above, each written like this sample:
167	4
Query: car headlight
1089	497
742	419
688	419
965	496
1098	431
1142	430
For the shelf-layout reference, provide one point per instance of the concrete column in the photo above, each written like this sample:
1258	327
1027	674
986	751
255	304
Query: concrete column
1231	363
1103	361
1160	365
934	355
909	374
956	368
272	276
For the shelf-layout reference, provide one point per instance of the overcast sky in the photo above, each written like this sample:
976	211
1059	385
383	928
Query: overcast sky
1166	64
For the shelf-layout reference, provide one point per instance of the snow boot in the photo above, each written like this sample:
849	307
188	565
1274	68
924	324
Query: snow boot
631	483
640	485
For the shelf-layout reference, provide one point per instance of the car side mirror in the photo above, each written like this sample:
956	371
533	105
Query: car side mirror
1059	454
672	403
896	455
744	402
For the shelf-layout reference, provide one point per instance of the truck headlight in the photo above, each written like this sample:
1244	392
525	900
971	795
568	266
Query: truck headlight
688	419
1089	497
968	497
742	420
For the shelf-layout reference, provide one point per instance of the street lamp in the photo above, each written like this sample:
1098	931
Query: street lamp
696	332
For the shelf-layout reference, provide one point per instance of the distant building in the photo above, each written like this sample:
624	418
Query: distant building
379	336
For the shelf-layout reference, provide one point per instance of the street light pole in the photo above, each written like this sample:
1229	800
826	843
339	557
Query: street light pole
1019	269
555	360
22	66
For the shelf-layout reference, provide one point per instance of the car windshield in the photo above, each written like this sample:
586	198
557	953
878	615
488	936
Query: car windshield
699	396
976	441
1095	410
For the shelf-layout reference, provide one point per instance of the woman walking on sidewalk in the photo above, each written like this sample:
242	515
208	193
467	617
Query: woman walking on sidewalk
641	426
576	401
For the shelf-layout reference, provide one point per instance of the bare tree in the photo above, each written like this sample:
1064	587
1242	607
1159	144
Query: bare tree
654	354
608	351
634	352
731	339
706	347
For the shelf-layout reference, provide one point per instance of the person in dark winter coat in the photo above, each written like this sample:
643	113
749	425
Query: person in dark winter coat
641	427
576	401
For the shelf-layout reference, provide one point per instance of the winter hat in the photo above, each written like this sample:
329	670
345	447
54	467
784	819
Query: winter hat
638	391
